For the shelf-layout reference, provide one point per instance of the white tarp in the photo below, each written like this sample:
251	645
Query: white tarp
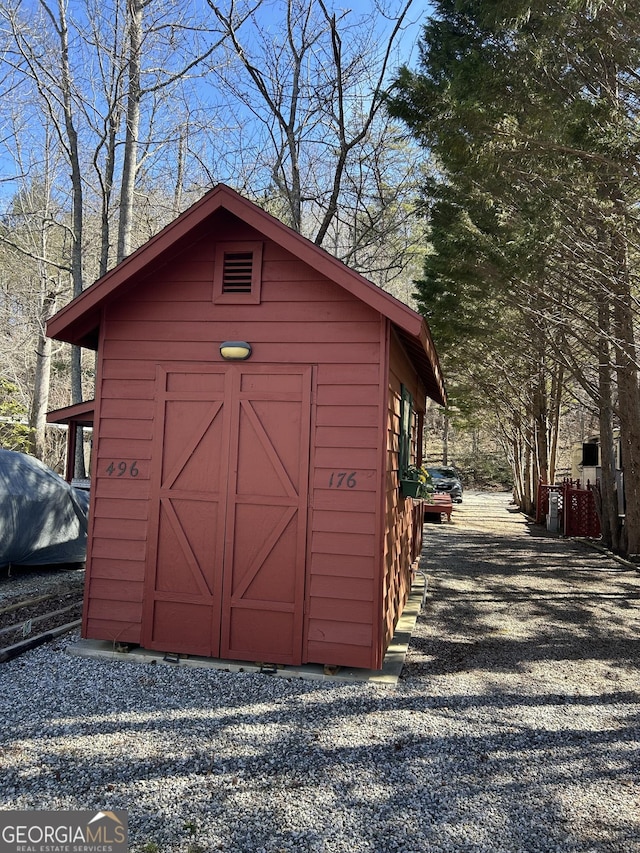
43	519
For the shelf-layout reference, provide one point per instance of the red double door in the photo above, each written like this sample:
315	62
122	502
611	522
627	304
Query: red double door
228	512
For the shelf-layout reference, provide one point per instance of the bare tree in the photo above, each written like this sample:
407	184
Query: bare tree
34	279
81	78
54	86
334	166
146	19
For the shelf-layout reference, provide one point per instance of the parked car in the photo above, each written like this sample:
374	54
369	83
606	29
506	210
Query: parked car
447	481
43	519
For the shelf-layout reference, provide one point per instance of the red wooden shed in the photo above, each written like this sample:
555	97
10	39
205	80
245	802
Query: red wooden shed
250	508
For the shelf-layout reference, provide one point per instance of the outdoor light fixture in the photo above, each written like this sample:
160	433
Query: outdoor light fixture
235	350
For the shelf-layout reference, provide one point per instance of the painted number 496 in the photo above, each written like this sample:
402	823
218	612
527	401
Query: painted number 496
122	468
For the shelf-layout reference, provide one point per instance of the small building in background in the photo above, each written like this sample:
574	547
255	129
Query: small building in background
255	402
586	464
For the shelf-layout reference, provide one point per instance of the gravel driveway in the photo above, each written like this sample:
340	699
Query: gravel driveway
515	725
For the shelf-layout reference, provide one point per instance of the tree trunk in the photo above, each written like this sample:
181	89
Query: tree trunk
40	398
626	360
445	440
529	478
622	322
130	159
555	403
539	402
177	191
107	190
77	244
609	518
540	430
629	406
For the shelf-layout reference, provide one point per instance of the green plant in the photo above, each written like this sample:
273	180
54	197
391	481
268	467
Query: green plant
192	828
419	475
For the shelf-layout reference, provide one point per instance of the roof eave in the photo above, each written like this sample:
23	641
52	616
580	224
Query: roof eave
79	413
63	325
79	322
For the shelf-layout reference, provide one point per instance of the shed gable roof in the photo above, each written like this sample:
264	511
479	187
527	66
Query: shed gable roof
79	321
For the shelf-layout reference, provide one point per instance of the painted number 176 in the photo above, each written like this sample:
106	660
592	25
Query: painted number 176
342	479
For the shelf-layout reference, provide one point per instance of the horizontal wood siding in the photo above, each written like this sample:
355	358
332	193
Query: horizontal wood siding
343	557
120	477
171	317
400	533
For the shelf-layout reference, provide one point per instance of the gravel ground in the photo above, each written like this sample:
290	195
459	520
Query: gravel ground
515	726
21	621
20	582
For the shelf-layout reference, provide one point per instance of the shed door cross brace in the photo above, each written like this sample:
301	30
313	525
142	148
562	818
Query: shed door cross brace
225	575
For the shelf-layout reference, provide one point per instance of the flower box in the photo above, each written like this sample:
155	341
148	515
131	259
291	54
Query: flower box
411	488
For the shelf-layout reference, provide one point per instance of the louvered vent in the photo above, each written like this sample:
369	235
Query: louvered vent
237	274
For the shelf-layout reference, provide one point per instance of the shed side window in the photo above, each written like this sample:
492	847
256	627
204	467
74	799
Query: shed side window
407	416
237	272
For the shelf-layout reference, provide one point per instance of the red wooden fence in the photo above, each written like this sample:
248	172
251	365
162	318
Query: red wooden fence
577	514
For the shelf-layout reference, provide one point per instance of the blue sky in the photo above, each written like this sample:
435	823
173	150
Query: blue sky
407	53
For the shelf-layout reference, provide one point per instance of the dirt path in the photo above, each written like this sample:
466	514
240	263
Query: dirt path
506	597
538	638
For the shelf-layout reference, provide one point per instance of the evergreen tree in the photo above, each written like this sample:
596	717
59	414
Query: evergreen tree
530	110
